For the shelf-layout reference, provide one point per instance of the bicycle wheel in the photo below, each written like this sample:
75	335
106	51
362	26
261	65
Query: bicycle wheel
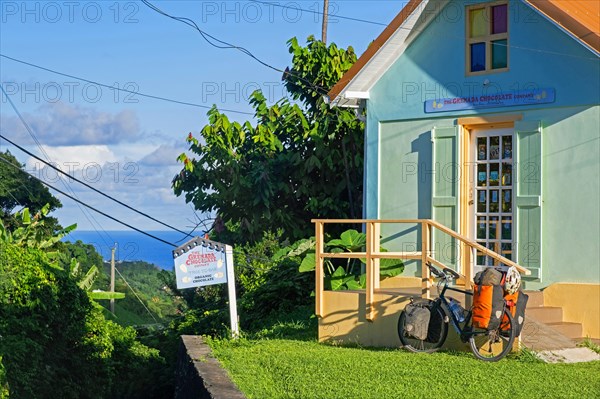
493	345
438	330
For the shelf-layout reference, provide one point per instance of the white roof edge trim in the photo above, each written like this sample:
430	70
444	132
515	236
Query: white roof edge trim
403	30
356	95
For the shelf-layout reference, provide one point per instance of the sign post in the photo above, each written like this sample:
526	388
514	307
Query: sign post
201	262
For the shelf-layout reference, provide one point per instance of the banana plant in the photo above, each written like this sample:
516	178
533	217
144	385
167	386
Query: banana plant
87	281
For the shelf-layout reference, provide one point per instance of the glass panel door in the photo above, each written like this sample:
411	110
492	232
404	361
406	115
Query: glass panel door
493	194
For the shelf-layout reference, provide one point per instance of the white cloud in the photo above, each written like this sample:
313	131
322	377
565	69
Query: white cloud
76	157
60	124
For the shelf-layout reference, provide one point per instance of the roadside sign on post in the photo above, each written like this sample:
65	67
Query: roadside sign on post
200	262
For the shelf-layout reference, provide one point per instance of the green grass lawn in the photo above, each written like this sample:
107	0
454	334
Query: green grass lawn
300	368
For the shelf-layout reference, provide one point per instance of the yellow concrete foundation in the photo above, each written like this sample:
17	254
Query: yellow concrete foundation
344	319
580	303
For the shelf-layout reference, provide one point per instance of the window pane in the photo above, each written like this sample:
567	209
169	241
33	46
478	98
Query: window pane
480	256
482	175
477	57
506	174
499	19
507	227
494	174
494	147
477	23
499	54
481	225
507	250
507	201
507	144
481	203
481	148
494	201
493	228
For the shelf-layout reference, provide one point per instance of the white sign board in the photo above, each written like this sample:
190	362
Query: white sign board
200	266
201	262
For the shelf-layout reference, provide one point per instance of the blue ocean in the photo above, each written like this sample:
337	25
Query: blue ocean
132	245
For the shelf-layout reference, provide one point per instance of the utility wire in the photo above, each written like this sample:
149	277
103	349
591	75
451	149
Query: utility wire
118	88
35	139
225	45
93	188
136	295
318	12
86	205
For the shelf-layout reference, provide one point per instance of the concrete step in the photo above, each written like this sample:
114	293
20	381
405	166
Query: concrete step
546	314
570	330
536	299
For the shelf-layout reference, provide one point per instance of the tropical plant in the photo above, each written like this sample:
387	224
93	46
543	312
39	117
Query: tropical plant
300	160
348	275
19	189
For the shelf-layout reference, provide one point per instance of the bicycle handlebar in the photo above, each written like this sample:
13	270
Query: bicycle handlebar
443	273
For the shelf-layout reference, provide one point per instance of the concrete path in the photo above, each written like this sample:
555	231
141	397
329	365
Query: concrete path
551	346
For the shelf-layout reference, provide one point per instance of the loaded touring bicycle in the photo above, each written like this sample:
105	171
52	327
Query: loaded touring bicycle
490	326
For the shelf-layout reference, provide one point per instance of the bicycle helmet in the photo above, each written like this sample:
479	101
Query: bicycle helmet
513	280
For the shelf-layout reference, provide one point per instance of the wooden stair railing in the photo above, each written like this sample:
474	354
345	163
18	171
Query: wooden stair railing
373	255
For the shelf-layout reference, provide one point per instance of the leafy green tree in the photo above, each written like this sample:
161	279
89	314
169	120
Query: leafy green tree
19	190
301	159
54	341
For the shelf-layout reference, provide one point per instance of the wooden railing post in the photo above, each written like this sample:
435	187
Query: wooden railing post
319	249
375	248
370	288
425	274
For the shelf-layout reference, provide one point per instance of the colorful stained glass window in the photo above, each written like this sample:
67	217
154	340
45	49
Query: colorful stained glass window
478	23
499	54
477	57
500	19
487	37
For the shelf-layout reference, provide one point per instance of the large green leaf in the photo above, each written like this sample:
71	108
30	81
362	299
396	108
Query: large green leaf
106	295
353	285
308	263
350	240
390	267
337	279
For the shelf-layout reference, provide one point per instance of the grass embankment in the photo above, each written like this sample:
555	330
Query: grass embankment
302	368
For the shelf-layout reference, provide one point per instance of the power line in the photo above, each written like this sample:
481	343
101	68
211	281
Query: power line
225	45
137	296
319	13
118	88
93	188
88	206
35	139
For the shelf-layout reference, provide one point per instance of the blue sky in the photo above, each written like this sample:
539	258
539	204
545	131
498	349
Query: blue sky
126	145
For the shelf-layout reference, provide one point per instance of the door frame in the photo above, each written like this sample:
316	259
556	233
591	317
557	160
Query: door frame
466	127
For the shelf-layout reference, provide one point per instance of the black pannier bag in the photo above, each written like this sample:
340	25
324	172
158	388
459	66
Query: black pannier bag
434	331
417	320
